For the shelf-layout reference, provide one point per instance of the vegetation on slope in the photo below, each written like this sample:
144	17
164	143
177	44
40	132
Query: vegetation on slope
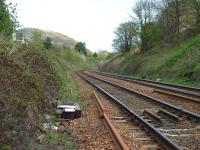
28	86
155	21
160	41
8	21
34	76
32	80
178	63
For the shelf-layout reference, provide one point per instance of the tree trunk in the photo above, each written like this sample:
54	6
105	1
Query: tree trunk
197	8
177	18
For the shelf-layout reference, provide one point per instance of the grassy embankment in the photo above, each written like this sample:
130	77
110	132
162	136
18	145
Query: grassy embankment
177	63
31	80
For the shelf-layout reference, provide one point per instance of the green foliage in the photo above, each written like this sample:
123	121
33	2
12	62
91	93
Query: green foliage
8	17
144	15
47	43
95	55
152	32
46	76
36	39
178	63
125	37
53	138
64	62
32	83
81	48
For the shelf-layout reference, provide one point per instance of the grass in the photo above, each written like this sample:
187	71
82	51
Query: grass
178	63
58	137
64	64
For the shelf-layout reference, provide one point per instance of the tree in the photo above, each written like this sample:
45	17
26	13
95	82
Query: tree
47	43
36	39
81	48
153	34
178	16
8	22
125	37
144	15
196	6
95	55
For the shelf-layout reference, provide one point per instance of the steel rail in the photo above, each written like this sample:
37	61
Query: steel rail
166	142
177	95
168	105
186	90
116	137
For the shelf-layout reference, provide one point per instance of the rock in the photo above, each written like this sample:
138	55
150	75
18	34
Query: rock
50	126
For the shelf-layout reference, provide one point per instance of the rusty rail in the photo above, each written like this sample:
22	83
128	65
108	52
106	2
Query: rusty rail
116	137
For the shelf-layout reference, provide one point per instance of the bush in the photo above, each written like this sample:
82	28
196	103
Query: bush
47	43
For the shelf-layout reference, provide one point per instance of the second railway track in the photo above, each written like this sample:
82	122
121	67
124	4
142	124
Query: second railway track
187	91
187	103
179	128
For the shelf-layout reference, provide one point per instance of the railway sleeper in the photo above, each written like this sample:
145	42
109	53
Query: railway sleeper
169	115
144	139
155	118
150	147
178	131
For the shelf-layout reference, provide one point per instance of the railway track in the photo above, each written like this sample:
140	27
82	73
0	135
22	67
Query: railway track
187	103
187	92
173	127
127	135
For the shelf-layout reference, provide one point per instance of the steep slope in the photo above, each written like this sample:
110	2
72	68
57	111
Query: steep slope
32	80
175	63
27	90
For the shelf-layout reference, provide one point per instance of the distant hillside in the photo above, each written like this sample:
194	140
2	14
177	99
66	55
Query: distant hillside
56	38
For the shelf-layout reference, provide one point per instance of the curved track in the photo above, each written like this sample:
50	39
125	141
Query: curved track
175	88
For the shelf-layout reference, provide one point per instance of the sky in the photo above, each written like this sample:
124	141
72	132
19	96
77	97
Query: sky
89	21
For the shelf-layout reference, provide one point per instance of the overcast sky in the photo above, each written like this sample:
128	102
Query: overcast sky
90	21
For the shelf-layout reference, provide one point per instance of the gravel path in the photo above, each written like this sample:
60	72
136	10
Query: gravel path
89	131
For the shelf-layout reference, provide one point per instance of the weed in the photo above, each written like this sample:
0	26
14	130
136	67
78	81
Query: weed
53	138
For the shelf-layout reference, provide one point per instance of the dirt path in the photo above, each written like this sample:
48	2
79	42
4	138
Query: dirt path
88	131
